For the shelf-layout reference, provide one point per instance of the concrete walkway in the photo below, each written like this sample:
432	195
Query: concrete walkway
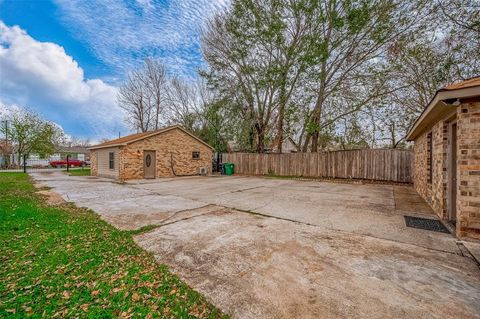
274	248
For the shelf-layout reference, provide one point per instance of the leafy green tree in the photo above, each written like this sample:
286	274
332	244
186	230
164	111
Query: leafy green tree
214	129
318	61
349	45
29	133
256	58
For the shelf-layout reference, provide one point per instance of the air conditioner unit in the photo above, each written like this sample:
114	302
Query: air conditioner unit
202	170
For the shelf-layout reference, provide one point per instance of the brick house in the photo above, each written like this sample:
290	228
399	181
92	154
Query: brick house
168	152
447	155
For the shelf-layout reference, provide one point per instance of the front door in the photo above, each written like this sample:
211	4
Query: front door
452	172
149	164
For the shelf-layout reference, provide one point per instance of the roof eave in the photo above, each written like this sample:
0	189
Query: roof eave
105	146
150	135
440	96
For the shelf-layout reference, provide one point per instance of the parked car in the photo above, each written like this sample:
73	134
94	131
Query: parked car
71	163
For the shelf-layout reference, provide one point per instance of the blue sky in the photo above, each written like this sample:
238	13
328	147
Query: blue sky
65	58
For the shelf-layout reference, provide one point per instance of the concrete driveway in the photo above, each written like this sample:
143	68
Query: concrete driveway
273	248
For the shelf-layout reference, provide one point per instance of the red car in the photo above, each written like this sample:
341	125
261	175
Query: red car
71	163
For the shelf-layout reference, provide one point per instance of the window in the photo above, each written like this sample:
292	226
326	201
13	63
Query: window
111	160
429	157
196	155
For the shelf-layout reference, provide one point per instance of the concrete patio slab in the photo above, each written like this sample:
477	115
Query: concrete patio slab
277	248
257	267
364	209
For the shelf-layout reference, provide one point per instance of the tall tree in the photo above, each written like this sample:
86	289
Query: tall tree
142	96
155	81
256	56
185	100
350	41
318	61
460	25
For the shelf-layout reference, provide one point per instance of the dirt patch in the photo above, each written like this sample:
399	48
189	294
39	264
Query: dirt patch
52	198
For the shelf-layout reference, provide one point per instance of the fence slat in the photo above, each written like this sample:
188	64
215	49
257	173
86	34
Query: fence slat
375	164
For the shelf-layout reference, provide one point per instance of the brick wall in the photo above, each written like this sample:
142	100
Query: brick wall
468	168
468	156
93	163
173	148
434	190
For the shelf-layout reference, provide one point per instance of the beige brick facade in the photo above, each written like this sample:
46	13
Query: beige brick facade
468	197
93	163
173	156
435	192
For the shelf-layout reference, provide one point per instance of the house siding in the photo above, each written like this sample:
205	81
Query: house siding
101	165
468	168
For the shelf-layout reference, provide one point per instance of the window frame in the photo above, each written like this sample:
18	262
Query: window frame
111	160
196	155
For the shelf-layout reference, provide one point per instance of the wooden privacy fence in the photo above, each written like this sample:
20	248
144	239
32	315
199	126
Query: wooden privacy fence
374	164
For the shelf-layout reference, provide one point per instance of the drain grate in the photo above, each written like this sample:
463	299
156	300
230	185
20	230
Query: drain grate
425	223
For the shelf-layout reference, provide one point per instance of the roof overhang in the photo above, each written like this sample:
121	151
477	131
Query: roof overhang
438	107
96	147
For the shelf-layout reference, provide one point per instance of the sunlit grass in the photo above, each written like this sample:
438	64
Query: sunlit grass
66	262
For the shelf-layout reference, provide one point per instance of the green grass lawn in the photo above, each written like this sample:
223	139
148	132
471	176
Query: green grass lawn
78	172
66	262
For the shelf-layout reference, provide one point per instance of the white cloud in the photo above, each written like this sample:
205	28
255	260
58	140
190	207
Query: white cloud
44	77
121	34
6	110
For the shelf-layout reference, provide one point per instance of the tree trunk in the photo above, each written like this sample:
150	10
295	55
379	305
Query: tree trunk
315	142
157	115
306	143
316	117
280	119
392	131
260	138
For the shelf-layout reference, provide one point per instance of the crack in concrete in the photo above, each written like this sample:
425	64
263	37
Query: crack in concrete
162	224
244	189
185	210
